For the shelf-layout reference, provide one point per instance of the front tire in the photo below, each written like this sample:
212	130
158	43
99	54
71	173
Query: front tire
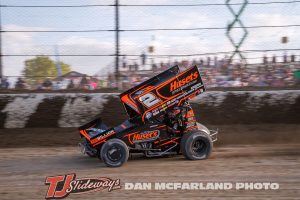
114	153
196	145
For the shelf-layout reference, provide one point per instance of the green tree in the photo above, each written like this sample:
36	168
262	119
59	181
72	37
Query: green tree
38	69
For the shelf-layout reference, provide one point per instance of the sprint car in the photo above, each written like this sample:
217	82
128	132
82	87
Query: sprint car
160	122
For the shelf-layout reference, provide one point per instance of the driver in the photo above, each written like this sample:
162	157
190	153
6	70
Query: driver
172	118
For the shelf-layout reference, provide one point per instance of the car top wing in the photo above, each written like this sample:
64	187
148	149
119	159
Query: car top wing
164	91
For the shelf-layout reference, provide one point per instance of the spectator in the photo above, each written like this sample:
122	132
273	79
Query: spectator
274	59
124	62
71	85
84	83
265	60
20	84
285	58
136	67
154	67
47	85
143	58
93	85
292	58
176	63
130	67
208	61
4	84
201	63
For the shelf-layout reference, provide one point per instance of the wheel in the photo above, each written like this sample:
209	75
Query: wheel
196	145
114	153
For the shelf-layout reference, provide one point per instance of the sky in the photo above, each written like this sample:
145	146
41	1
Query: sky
165	42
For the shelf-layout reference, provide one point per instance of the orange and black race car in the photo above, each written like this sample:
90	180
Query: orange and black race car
161	122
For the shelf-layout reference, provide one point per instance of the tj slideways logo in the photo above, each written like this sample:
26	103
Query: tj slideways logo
62	185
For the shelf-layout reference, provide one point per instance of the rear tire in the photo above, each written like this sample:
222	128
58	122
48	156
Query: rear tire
114	153
196	145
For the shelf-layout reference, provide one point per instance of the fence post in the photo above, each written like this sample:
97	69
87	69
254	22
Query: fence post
117	42
1	63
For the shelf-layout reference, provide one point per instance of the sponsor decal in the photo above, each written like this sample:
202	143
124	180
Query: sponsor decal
181	82
144	136
62	185
139	92
106	134
197	86
155	112
149	115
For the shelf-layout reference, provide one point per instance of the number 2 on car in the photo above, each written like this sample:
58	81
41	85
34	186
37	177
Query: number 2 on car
149	100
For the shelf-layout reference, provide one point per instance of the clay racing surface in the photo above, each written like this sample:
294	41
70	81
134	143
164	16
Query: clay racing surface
23	169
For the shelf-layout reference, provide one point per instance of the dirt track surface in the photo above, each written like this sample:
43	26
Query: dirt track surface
23	172
228	135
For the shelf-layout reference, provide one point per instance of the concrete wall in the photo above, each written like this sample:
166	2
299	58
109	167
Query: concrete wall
213	107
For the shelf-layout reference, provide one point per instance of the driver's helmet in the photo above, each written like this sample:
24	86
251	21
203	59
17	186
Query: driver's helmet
174	112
